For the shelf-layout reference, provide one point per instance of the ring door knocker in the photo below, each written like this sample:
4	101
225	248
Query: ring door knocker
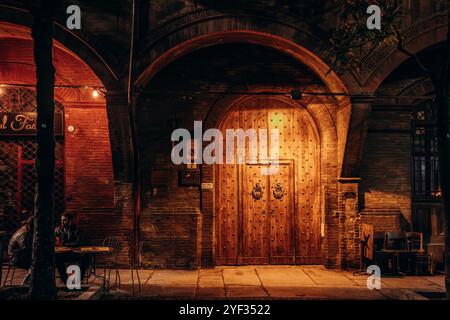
257	192
278	191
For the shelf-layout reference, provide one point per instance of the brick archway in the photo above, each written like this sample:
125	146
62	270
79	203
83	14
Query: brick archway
380	63
329	126
89	188
331	80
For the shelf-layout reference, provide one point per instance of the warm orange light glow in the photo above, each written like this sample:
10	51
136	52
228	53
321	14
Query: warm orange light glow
2	91
95	94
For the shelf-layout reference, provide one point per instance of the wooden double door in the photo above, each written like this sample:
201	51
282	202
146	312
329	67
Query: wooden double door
271	218
268	216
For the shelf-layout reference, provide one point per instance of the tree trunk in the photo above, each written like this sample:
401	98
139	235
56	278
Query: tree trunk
441	82
43	265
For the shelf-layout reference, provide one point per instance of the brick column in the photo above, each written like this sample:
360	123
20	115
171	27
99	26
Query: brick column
208	230
356	134
120	136
123	163
349	222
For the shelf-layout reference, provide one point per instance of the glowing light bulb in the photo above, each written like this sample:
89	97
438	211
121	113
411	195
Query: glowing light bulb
95	94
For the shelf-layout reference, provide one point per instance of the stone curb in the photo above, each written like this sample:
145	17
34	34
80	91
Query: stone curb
93	293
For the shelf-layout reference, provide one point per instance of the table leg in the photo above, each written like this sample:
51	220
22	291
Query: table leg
395	264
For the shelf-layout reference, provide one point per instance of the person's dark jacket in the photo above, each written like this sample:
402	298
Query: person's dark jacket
69	236
20	247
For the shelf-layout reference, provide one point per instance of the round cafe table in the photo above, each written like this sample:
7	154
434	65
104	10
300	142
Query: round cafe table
91	251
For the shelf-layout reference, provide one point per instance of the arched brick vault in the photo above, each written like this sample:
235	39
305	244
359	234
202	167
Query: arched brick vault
324	112
319	110
378	64
376	67
17	22
77	63
89	179
179	41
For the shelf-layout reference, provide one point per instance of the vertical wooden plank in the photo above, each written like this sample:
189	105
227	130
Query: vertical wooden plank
255	216
227	204
281	210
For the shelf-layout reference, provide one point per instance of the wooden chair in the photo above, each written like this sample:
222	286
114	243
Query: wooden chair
397	250
423	260
379	240
396	240
379	244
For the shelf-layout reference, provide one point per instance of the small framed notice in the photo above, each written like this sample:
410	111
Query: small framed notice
207	186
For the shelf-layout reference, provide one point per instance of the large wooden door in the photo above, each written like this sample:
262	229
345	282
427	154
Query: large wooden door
270	219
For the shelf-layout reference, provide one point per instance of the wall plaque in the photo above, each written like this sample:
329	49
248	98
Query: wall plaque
207	186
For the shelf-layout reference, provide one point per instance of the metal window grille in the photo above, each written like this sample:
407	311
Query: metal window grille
17	164
426	182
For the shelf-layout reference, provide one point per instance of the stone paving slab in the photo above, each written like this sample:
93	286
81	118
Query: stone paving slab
285	277
177	278
245	292
329	277
324	293
207	293
409	282
437	280
241	277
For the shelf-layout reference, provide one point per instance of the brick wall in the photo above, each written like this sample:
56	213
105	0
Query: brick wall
88	164
170	223
383	220
172	240
89	184
386	164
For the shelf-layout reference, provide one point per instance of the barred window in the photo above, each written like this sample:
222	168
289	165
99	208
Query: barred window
425	153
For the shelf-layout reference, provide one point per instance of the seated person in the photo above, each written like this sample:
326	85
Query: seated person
20	245
20	248
68	235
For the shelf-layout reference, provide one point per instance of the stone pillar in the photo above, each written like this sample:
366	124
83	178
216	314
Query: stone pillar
349	222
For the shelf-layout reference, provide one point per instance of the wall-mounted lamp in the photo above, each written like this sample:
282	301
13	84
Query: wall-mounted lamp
71	129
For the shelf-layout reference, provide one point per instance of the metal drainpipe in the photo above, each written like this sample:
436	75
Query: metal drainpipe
131	105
